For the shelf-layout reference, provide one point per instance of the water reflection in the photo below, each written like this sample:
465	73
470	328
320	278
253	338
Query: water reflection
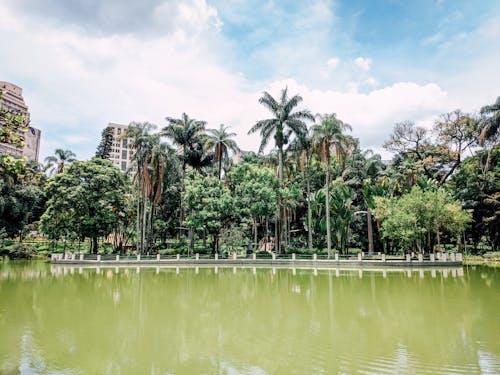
63	270
121	320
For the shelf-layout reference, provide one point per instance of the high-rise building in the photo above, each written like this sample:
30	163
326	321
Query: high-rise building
12	101
121	149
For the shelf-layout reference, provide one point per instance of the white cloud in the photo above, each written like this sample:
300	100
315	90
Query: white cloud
373	115
333	62
370	81
363	63
75	84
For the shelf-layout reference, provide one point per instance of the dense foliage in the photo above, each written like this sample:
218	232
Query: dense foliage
316	189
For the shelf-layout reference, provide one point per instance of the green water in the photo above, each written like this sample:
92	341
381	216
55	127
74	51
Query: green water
64	320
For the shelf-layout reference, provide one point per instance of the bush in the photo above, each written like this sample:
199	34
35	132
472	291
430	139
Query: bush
263	254
19	251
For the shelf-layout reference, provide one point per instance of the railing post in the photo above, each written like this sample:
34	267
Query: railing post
81	256
336	257
408	257
420	257
254	256
178	256
444	257
197	256
216	256
72	256
158	257
235	255
293	257
65	256
315	257
98	257
383	257
432	256
452	257
117	257
459	257
138	257
360	257
274	256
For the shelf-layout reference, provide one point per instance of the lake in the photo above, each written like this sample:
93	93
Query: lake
58	319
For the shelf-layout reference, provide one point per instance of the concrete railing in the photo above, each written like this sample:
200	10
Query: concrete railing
435	258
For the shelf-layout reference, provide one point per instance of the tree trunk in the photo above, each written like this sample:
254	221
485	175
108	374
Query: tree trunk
191	240
255	244
220	167
309	216
94	246
327	203
267	230
204	239
138	224
183	187
279	216
370	230
144	225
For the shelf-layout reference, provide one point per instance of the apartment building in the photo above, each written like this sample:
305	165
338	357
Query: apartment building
121	149
12	101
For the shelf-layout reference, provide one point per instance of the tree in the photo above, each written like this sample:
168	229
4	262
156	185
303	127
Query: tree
105	146
284	124
419	219
209	206
302	146
186	133
220	141
12	126
21	195
478	189
85	200
328	134
490	123
255	190
150	161
60	159
457	132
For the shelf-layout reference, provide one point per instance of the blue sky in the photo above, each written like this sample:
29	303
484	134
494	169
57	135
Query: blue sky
85	63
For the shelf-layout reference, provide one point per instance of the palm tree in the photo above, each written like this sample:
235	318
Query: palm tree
491	122
329	134
220	141
490	130
142	143
283	125
302	148
186	133
59	160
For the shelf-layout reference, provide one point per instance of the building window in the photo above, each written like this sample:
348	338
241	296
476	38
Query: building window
124	143
124	154
119	131
124	165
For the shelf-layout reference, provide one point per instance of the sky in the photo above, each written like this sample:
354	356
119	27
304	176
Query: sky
85	63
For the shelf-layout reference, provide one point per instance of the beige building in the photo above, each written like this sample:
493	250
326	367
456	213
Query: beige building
121	149
12	101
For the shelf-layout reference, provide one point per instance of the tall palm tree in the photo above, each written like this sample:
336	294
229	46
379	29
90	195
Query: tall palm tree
490	130
186	133
302	147
59	160
328	135
490	123
142	143
220	141
284	123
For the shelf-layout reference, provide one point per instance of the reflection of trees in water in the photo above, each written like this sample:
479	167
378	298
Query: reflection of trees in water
187	322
